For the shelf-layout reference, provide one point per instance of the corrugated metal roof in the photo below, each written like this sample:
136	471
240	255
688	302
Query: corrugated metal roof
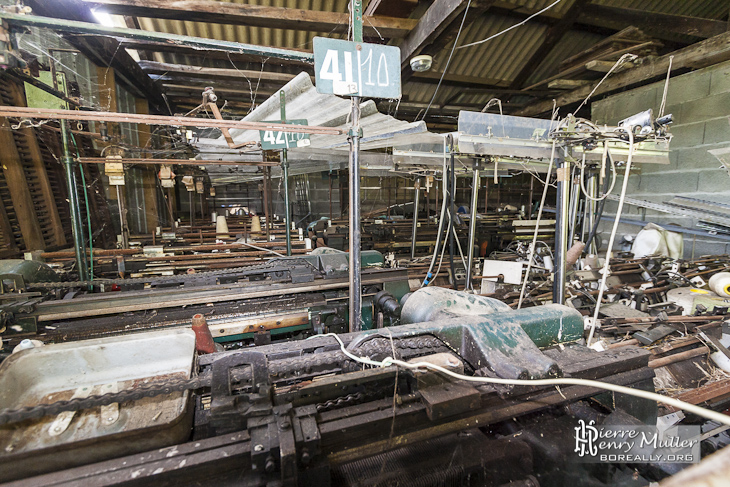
708	9
303	102
253	35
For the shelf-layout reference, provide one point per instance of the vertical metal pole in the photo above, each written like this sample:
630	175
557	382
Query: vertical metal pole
169	209
452	213
122	218
265	194
354	188
414	230
192	208
561	231
285	175
73	203
591	209
472	224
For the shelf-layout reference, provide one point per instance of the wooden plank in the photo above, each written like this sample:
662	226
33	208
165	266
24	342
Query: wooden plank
709	392
567	84
19	192
59	234
438	16
102	51
199	71
586	21
699	55
653	21
254	16
6	230
204	55
603	66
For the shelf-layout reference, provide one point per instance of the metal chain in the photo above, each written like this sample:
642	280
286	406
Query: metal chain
277	369
270	265
78	404
348	400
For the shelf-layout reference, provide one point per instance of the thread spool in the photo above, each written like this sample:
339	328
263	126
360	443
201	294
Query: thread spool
255	224
203	338
221	227
720	284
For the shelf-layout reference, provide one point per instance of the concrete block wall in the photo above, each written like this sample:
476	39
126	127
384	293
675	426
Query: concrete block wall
700	103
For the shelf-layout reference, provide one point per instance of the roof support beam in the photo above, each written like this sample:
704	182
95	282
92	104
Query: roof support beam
74	27
196	71
436	19
652	22
702	54
253	15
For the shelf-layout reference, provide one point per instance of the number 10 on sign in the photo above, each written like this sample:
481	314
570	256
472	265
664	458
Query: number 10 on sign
356	68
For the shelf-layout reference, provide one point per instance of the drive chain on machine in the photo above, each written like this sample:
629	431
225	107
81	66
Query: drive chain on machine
272	265
150	390
417	345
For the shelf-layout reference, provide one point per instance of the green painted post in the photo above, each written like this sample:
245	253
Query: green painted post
285	175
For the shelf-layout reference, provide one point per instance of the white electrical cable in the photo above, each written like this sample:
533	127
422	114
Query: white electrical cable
458	244
652	396
441	221
537	227
513	26
583	185
605	271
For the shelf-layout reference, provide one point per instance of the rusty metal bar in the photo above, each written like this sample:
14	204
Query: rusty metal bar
46	113
171	162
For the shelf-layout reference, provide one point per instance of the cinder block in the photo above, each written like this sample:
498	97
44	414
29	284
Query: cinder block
705	108
626	104
670	183
720	79
717	131
714	180
688	135
688	87
696	158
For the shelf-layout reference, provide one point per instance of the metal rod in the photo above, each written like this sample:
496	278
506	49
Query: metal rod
171	162
354	186
122	218
265	194
93	116
75	27
192	208
561	231
414	231
73	204
452	213
285	175
472	224
591	209
354	224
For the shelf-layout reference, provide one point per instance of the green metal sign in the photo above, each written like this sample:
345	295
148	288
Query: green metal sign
273	140
356	68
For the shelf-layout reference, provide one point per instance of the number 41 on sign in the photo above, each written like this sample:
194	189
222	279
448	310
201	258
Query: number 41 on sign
356	68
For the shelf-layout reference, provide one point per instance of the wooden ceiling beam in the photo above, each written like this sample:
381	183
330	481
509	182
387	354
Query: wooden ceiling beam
253	16
652	22
699	55
164	47
197	71
430	26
